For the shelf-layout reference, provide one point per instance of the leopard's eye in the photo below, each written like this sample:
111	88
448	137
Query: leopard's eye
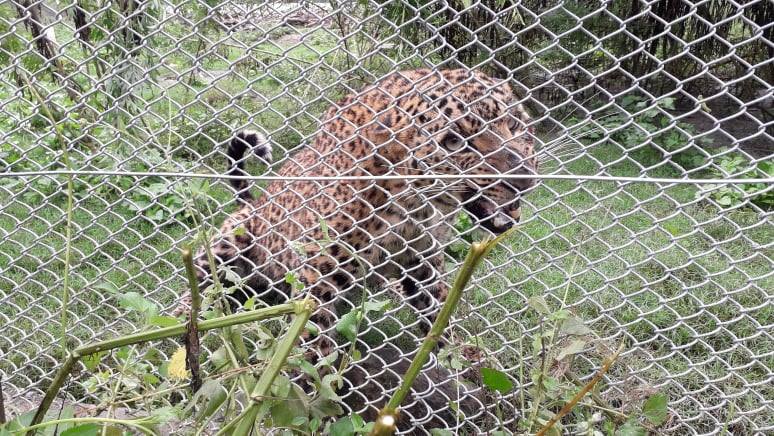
452	142
514	123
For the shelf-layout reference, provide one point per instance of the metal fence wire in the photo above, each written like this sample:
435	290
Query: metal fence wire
650	222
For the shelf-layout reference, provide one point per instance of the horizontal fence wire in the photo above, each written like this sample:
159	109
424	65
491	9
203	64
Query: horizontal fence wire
577	177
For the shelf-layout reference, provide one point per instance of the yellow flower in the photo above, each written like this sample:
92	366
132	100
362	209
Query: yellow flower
176	369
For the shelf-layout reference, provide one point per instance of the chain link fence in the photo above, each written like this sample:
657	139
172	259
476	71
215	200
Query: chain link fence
651	224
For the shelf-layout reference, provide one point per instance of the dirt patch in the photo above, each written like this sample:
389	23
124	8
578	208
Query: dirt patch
729	125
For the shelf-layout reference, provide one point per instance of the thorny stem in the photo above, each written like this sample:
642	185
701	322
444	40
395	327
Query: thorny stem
148	336
579	396
69	219
388	416
192	330
246	420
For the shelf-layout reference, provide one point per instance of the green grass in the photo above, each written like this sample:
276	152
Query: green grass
683	283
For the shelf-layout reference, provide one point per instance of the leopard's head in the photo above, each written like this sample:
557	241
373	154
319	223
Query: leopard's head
461	123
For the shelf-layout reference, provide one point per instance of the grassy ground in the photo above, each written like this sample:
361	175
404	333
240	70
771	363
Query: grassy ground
686	285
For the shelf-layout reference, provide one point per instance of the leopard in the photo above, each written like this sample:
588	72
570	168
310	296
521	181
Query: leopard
379	183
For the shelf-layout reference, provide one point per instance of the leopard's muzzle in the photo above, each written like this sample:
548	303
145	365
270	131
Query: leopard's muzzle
496	219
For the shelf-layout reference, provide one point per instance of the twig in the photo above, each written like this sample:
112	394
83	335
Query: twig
388	416
579	396
192	349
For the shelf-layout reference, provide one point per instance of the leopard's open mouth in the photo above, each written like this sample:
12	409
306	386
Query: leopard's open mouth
494	218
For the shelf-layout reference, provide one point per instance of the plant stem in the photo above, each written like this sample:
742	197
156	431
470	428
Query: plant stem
589	386
127	422
56	384
147	336
601	404
2	402
246	420
387	419
69	213
192	349
167	332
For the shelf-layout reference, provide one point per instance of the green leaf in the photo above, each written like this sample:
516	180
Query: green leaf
376	306
215	394
441	432
20	421
324	229
240	231
574	326
164	414
572	348
357	422
83	430
538	303
655	409
327	391
348	324
163	321
132	301
631	428
309	369
496	380
285	413
92	360
281	386
543	417
329	359
667	103
107	287
342	427
314	424
66	413
312	329
292	280
150	379
559	315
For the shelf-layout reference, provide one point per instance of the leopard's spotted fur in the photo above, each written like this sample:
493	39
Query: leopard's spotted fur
419	122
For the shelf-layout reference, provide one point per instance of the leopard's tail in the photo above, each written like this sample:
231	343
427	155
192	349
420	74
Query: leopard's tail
242	142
